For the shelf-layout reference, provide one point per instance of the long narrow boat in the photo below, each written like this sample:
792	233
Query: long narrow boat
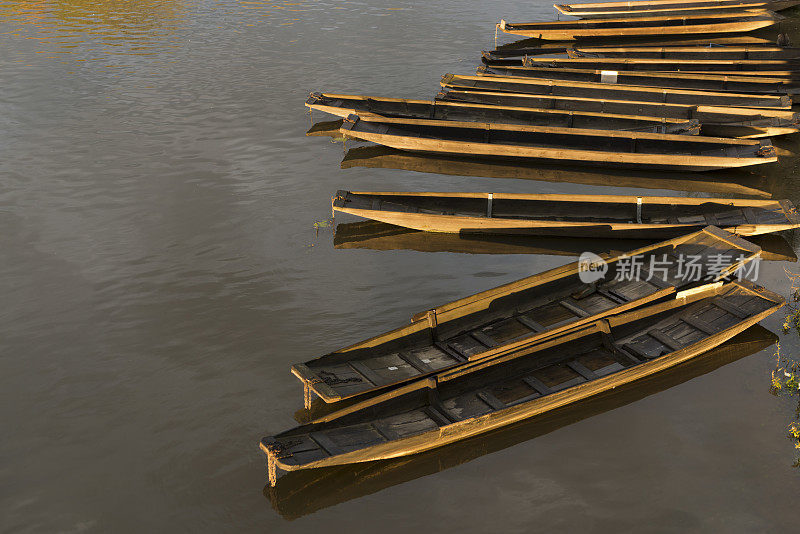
379	236
560	145
714	52
788	79
724	183
638	93
517	385
686	10
718	121
766	66
521	48
645	26
568	215
604	10
345	105
677	80
517	314
303	492
687	68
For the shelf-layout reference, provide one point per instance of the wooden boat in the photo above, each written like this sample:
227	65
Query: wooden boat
488	324
564	145
728	183
714	52
700	82
568	215
303	492
746	67
784	73
488	395
715	121
602	10
521	48
645	26
345	105
681	11
379	236
532	86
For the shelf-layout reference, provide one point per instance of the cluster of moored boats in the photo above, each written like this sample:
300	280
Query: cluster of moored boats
654	84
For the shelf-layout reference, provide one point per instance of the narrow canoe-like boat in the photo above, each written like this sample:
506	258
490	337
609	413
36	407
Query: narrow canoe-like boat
560	145
604	10
515	315
677	80
491	394
767	66
521	48
638	93
303	492
345	105
682	52
645	26
749	123
725	183
568	215
687	67
378	236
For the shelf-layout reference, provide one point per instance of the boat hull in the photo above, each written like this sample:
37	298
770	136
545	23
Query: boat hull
557	154
666	8
642	27
471	225
611	216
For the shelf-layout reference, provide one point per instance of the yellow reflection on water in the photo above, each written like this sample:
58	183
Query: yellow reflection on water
131	27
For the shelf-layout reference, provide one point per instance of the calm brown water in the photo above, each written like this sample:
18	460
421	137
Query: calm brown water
159	271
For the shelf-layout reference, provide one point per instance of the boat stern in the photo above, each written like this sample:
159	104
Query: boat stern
314	99
339	199
313	383
349	123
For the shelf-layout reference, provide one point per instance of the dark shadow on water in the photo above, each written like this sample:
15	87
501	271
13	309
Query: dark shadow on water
326	129
303	492
375	235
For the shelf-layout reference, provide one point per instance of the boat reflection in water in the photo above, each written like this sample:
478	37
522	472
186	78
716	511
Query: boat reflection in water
326	129
299	493
728	182
377	235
